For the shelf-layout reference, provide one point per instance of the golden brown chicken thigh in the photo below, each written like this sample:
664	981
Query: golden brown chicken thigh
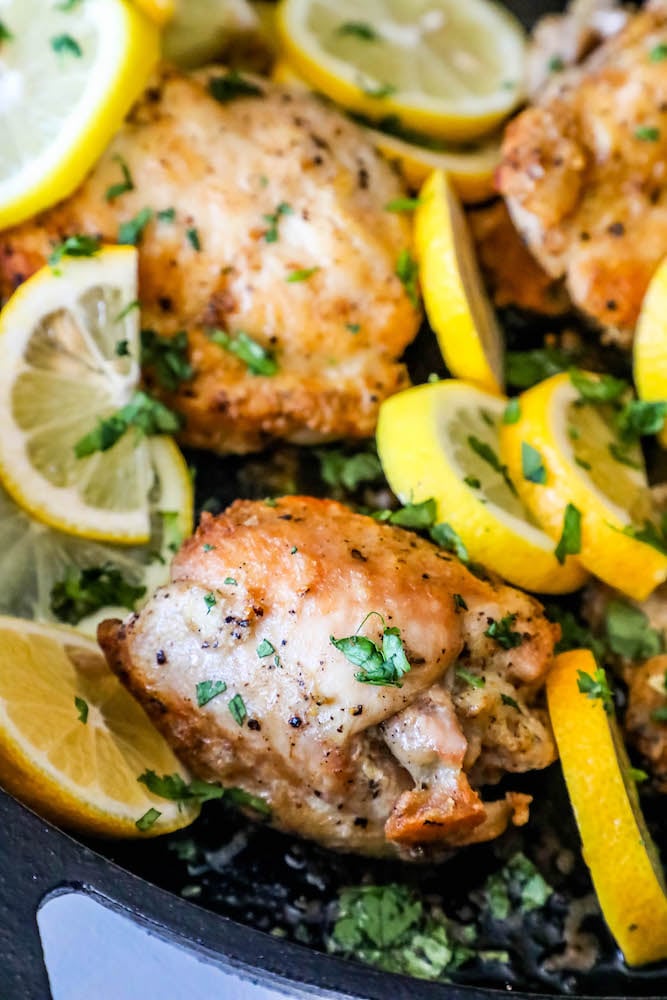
265	216
260	599
584	171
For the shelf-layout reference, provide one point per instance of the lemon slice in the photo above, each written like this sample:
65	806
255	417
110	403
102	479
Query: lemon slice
160	11
43	570
80	774
69	76
441	441
62	374
469	167
453	70
650	344
617	846
454	297
583	483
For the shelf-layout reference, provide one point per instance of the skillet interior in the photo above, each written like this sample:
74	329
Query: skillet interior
263	879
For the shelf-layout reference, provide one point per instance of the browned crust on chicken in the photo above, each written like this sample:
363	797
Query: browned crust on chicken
225	169
646	694
374	769
584	172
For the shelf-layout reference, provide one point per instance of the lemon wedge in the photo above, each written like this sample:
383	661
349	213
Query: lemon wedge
650	344
160	11
470	167
53	577
73	742
617	846
69	338
452	70
70	74
441	441
592	495
454	296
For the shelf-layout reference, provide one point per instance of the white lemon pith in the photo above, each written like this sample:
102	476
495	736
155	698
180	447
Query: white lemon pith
68	77
440	66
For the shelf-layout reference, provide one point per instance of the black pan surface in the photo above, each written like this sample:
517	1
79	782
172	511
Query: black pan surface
264	881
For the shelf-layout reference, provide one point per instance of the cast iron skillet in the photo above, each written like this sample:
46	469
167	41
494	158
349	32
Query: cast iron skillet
275	881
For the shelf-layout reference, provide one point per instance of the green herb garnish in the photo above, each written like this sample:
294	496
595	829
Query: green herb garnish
131	231
82	709
382	667
237	708
302	274
210	601
402	205
229	86
407	271
147	415
81	592
647	133
512	413
596	687
193	238
74	246
273	221
629	633
168	357
532	465
146	821
488	455
65	45
472	679
258	359
503	633
570	539
127	184
208	690
358	29
265	648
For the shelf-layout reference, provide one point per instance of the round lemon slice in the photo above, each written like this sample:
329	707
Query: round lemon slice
454	296
69	339
53	577
453	70
69	74
469	167
650	344
617	846
441	441
73	742
592	495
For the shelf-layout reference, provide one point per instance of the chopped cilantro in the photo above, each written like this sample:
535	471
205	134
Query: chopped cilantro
207	547
510	702
210	602
658	53
174	788
231	85
131	231
532	465
126	184
473	482
637	775
556	64
503	633
237	708
358	29
265	648
620	453
445	536
649	533
459	603
639	418
353	327
122	349
382	667
81	592
488	455
5	33
147	415
378	90
596	686
74	246
82	709
629	633
518	884
273	221
293	551
474	680
347	472
647	133
402	205
570	540
193	238
148	819
574	635
512	413
415	516
124	313
65	45
230	581
388	927
166	215
168	357
208	690
407	271
524	369
302	274
660	714
598	388
258	359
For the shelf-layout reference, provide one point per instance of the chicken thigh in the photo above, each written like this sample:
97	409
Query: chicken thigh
336	641
262	230
584	171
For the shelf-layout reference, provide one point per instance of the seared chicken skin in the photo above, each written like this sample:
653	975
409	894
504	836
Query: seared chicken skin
268	219
257	597
584	172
